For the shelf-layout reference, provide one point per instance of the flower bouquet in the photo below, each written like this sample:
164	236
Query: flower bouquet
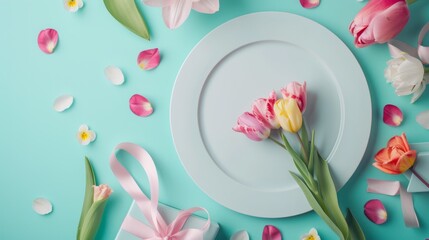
271	116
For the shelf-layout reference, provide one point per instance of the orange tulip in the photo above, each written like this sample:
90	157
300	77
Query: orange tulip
397	157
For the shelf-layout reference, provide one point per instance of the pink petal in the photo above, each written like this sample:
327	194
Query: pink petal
423	119
158	3
392	115
206	6
140	106
375	211
271	233
149	59
309	3
47	40
175	14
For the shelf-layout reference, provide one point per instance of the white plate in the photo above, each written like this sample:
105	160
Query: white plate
245	59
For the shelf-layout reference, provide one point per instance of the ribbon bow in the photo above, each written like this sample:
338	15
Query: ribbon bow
157	229
396	47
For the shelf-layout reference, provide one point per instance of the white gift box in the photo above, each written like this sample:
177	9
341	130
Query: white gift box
169	214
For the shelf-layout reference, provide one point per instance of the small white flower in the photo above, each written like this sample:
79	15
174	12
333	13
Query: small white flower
73	5
84	135
406	73
312	235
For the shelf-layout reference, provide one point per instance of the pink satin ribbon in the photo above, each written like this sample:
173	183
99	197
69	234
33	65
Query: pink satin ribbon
157	229
396	47
393	188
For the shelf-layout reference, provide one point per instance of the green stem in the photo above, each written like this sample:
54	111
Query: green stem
426	69
409	2
277	142
302	146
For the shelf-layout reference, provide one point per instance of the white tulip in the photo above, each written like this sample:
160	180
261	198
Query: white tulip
406	73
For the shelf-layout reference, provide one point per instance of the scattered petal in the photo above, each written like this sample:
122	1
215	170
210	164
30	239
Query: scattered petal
375	211
47	40
309	3
114	75
63	103
140	106
423	119
271	233
84	135
42	206
392	115
311	235
148	59
73	5
240	235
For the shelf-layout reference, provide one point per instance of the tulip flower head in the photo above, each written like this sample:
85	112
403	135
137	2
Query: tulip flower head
298	92
406	73
254	129
288	114
101	192
379	21
396	157
263	109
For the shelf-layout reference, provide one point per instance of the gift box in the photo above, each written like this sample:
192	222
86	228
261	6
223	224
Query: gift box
421	166
169	215
149	220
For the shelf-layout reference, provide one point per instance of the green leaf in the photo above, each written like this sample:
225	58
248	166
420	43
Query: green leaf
311	157
127	13
329	193
89	194
299	163
317	206
304	137
355	229
92	220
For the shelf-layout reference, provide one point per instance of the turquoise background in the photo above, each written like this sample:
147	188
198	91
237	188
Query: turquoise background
40	156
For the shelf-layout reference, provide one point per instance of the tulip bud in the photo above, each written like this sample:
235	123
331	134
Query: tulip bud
101	192
298	92
288	114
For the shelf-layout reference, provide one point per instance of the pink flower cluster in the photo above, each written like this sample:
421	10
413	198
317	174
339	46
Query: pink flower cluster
257	123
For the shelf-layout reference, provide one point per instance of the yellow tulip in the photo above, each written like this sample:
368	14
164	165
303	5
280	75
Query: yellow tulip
288	114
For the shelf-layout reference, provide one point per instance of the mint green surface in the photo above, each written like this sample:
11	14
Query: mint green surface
40	156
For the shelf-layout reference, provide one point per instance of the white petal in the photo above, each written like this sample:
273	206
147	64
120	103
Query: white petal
240	235
42	206
93	136
423	119
114	75
63	103
83	127
418	93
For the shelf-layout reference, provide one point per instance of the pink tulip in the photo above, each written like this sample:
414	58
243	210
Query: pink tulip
175	12
263	108
101	192
379	21
254	129
298	92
